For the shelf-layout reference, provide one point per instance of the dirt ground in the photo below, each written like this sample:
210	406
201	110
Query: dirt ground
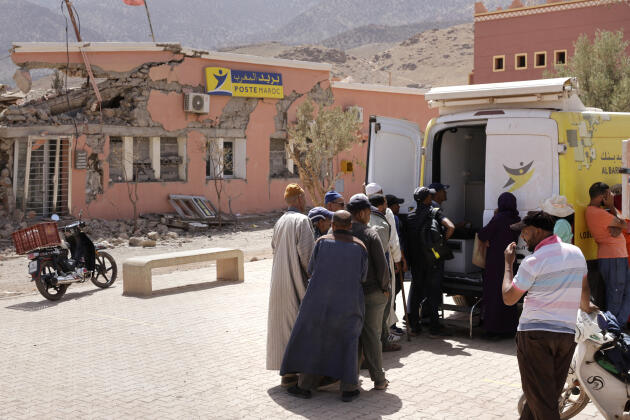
253	237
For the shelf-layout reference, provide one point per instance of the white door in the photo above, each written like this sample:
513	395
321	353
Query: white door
394	158
521	158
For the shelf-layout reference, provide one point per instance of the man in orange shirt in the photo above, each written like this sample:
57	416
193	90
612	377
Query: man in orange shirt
606	225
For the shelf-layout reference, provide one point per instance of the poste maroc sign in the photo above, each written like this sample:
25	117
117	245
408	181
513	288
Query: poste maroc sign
249	84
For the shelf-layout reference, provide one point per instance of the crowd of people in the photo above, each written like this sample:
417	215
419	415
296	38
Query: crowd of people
336	273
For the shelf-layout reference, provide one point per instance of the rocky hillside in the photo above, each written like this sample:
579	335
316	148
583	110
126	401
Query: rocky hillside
431	58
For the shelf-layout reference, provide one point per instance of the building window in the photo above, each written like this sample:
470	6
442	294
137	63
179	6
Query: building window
116	168
226	158
498	63
145	159
520	61
540	59
280	163
170	160
560	57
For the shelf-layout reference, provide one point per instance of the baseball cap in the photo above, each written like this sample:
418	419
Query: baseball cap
319	213
439	187
373	188
421	193
392	199
358	202
538	219
331	196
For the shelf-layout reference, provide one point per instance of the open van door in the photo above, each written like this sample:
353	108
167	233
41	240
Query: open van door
521	158
394	158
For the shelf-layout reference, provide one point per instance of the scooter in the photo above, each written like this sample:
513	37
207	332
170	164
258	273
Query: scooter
592	376
75	260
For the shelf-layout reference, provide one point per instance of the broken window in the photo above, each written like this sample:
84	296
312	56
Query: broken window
147	159
142	167
169	159
116	169
226	158
279	164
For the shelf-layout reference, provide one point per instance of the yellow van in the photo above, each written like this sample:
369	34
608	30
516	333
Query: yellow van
532	138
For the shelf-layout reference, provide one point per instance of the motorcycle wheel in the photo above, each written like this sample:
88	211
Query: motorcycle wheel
569	405
105	270
47	271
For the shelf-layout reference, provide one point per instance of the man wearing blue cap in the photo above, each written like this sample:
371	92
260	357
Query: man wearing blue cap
376	289
321	220
334	201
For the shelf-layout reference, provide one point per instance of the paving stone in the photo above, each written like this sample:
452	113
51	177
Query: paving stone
198	351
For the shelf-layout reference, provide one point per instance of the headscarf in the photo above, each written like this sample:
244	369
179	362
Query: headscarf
292	190
507	204
562	229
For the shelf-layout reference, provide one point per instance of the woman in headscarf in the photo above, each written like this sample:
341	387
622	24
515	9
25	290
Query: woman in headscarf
499	320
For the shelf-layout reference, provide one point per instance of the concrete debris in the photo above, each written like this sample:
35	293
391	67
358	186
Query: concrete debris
149	243
153	235
135	241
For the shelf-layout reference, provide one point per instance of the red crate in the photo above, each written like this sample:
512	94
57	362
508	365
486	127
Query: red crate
40	235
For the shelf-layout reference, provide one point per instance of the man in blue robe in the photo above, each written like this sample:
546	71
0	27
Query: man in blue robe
325	337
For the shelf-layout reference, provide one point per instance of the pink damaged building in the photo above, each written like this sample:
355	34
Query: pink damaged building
151	113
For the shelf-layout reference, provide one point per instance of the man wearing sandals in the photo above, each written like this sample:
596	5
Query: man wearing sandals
325	336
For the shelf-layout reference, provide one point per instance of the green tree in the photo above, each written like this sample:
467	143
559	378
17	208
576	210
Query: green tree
316	140
602	68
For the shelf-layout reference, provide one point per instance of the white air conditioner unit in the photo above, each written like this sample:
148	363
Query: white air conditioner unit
198	103
359	111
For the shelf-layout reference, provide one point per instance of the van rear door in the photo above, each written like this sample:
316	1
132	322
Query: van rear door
394	158
521	158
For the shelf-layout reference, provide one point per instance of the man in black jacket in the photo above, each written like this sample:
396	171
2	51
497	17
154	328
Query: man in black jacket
375	289
426	272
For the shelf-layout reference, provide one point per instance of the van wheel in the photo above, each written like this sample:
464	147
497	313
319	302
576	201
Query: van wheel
462	300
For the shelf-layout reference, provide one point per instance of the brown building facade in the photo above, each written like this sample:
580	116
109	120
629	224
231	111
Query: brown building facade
521	43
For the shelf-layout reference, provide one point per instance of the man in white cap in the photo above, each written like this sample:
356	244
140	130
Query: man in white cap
395	264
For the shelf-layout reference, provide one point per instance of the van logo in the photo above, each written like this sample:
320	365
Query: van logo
518	176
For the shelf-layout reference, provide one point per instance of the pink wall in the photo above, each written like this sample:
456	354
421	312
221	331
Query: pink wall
258	192
395	105
549	31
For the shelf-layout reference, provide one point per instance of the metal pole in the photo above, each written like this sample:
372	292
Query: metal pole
146	6
74	22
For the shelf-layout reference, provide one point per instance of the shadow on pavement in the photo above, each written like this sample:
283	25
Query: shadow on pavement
196	287
45	304
381	403
458	344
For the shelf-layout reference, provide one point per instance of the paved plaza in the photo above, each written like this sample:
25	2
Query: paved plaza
196	349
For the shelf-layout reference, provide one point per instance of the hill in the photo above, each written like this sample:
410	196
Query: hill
431	58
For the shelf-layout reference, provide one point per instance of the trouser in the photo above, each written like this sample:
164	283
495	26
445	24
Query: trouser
309	381
616	277
426	282
544	358
370	340
385	326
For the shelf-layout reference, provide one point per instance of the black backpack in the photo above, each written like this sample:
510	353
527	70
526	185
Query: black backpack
432	239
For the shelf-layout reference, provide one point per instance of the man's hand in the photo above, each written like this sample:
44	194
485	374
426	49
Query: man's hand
589	307
614	231
510	253
386	294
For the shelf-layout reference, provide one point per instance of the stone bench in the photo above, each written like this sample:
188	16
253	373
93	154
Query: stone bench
137	270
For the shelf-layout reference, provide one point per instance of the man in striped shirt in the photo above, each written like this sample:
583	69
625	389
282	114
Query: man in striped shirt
554	277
